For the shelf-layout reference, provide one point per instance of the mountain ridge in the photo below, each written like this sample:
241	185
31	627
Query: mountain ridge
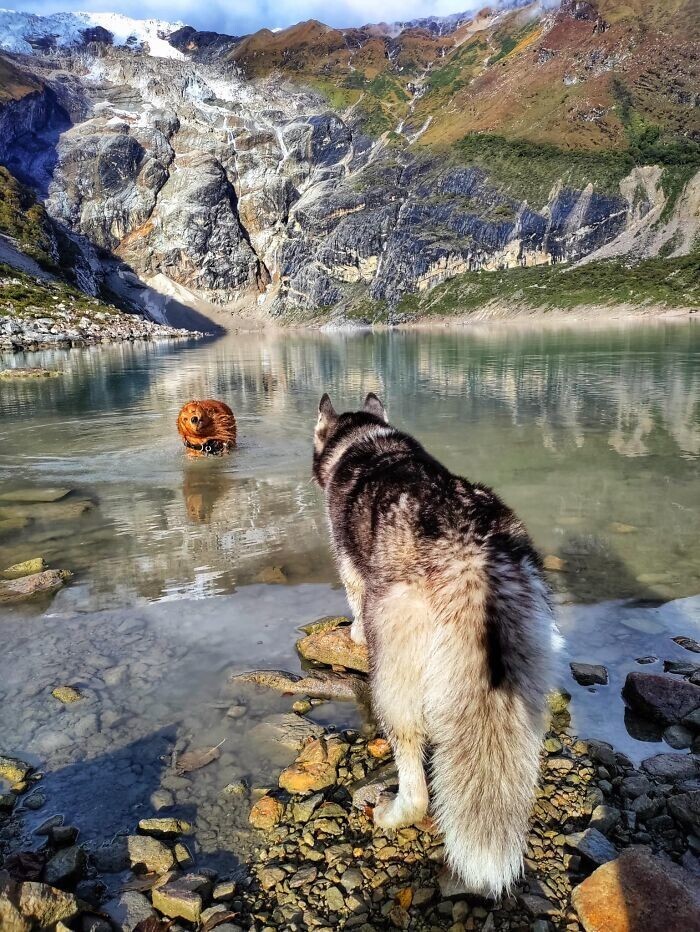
315	170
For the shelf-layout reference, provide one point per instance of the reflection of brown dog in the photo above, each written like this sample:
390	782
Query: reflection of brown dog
207	427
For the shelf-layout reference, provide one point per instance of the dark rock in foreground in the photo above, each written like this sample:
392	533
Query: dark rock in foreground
663	698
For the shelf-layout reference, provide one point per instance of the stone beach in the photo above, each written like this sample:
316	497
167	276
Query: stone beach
315	860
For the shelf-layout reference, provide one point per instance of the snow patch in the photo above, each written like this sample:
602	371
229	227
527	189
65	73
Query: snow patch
24	33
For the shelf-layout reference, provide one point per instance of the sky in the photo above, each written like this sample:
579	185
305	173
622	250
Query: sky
242	16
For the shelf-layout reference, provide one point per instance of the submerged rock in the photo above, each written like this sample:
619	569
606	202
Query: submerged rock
320	684
287	729
31	495
164	827
26	587
638	892
66	694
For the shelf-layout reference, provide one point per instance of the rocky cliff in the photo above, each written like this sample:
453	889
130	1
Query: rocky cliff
317	167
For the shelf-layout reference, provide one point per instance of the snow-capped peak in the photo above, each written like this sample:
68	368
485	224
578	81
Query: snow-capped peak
24	33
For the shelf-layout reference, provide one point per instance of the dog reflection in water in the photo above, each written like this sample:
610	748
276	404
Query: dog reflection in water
203	489
207	428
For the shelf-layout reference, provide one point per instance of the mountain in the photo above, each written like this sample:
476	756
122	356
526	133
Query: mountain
321	172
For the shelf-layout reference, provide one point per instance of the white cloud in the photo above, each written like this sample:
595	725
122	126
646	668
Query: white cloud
248	15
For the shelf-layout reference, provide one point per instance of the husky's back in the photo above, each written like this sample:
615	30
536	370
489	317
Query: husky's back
447	589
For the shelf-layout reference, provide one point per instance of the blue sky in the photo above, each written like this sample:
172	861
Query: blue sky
241	16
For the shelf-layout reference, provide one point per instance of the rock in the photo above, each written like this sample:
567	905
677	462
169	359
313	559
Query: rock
648	659
681	667
351	879
303	809
334	899
593	845
61	836
554	564
320	684
271	575
686	809
162	799
29	905
671	768
688	643
379	748
66	694
661	697
288	729
65	867
552	745
127	910
635	784
678	737
237	788
693	720
537	905
638	892
27	568
589	674
149	854
180	898
604	819
367	792
35	372
334	647
315	768
182	854
26	587
31	495
328	623
236	711
14	770
226	890
266	813
269	877
558	701
113	857
164	827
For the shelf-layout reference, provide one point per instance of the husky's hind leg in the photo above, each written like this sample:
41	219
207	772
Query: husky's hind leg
398	634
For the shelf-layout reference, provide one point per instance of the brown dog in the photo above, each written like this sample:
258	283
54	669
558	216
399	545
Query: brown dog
207	427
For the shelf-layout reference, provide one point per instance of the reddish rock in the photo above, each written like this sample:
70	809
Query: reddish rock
266	813
661	697
315	768
638	893
379	748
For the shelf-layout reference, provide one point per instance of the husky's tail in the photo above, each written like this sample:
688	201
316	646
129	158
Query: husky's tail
487	676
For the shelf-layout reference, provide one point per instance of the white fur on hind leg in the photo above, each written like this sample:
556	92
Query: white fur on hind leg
393	812
357	632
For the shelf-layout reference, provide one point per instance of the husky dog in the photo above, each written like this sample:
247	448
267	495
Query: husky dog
447	591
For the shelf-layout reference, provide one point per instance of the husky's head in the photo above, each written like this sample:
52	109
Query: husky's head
335	431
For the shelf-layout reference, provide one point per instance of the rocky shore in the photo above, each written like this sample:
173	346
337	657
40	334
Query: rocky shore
613	846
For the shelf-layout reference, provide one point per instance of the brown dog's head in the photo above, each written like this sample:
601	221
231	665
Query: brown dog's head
194	420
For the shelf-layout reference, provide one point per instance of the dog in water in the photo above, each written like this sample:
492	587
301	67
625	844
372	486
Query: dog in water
447	592
207	427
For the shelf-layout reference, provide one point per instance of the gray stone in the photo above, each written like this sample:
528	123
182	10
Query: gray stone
149	854
604	818
287	729
671	767
592	845
127	910
661	697
65	867
686	809
678	737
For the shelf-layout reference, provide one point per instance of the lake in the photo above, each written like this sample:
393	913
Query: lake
188	570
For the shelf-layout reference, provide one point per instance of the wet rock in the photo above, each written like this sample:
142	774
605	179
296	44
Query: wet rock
164	827
271	576
35	495
237	788
61	836
127	910
27	568
678	737
661	697
288	729
671	767
27	906
149	854
688	643
19	590
328	623
334	647
681	667
558	701
589	674
181	898
648	659
66	867
66	694
266	813
162	799
14	770
320	684
112	857
315	768
593	845
638	891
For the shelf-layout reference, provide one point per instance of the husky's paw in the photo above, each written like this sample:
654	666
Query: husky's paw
357	632
394	812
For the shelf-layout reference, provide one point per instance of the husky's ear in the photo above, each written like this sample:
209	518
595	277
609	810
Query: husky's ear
374	406
326	411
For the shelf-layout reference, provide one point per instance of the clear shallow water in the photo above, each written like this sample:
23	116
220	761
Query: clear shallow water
592	435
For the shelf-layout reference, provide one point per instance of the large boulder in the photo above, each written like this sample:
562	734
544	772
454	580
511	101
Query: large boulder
671	768
638	893
660	697
28	906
